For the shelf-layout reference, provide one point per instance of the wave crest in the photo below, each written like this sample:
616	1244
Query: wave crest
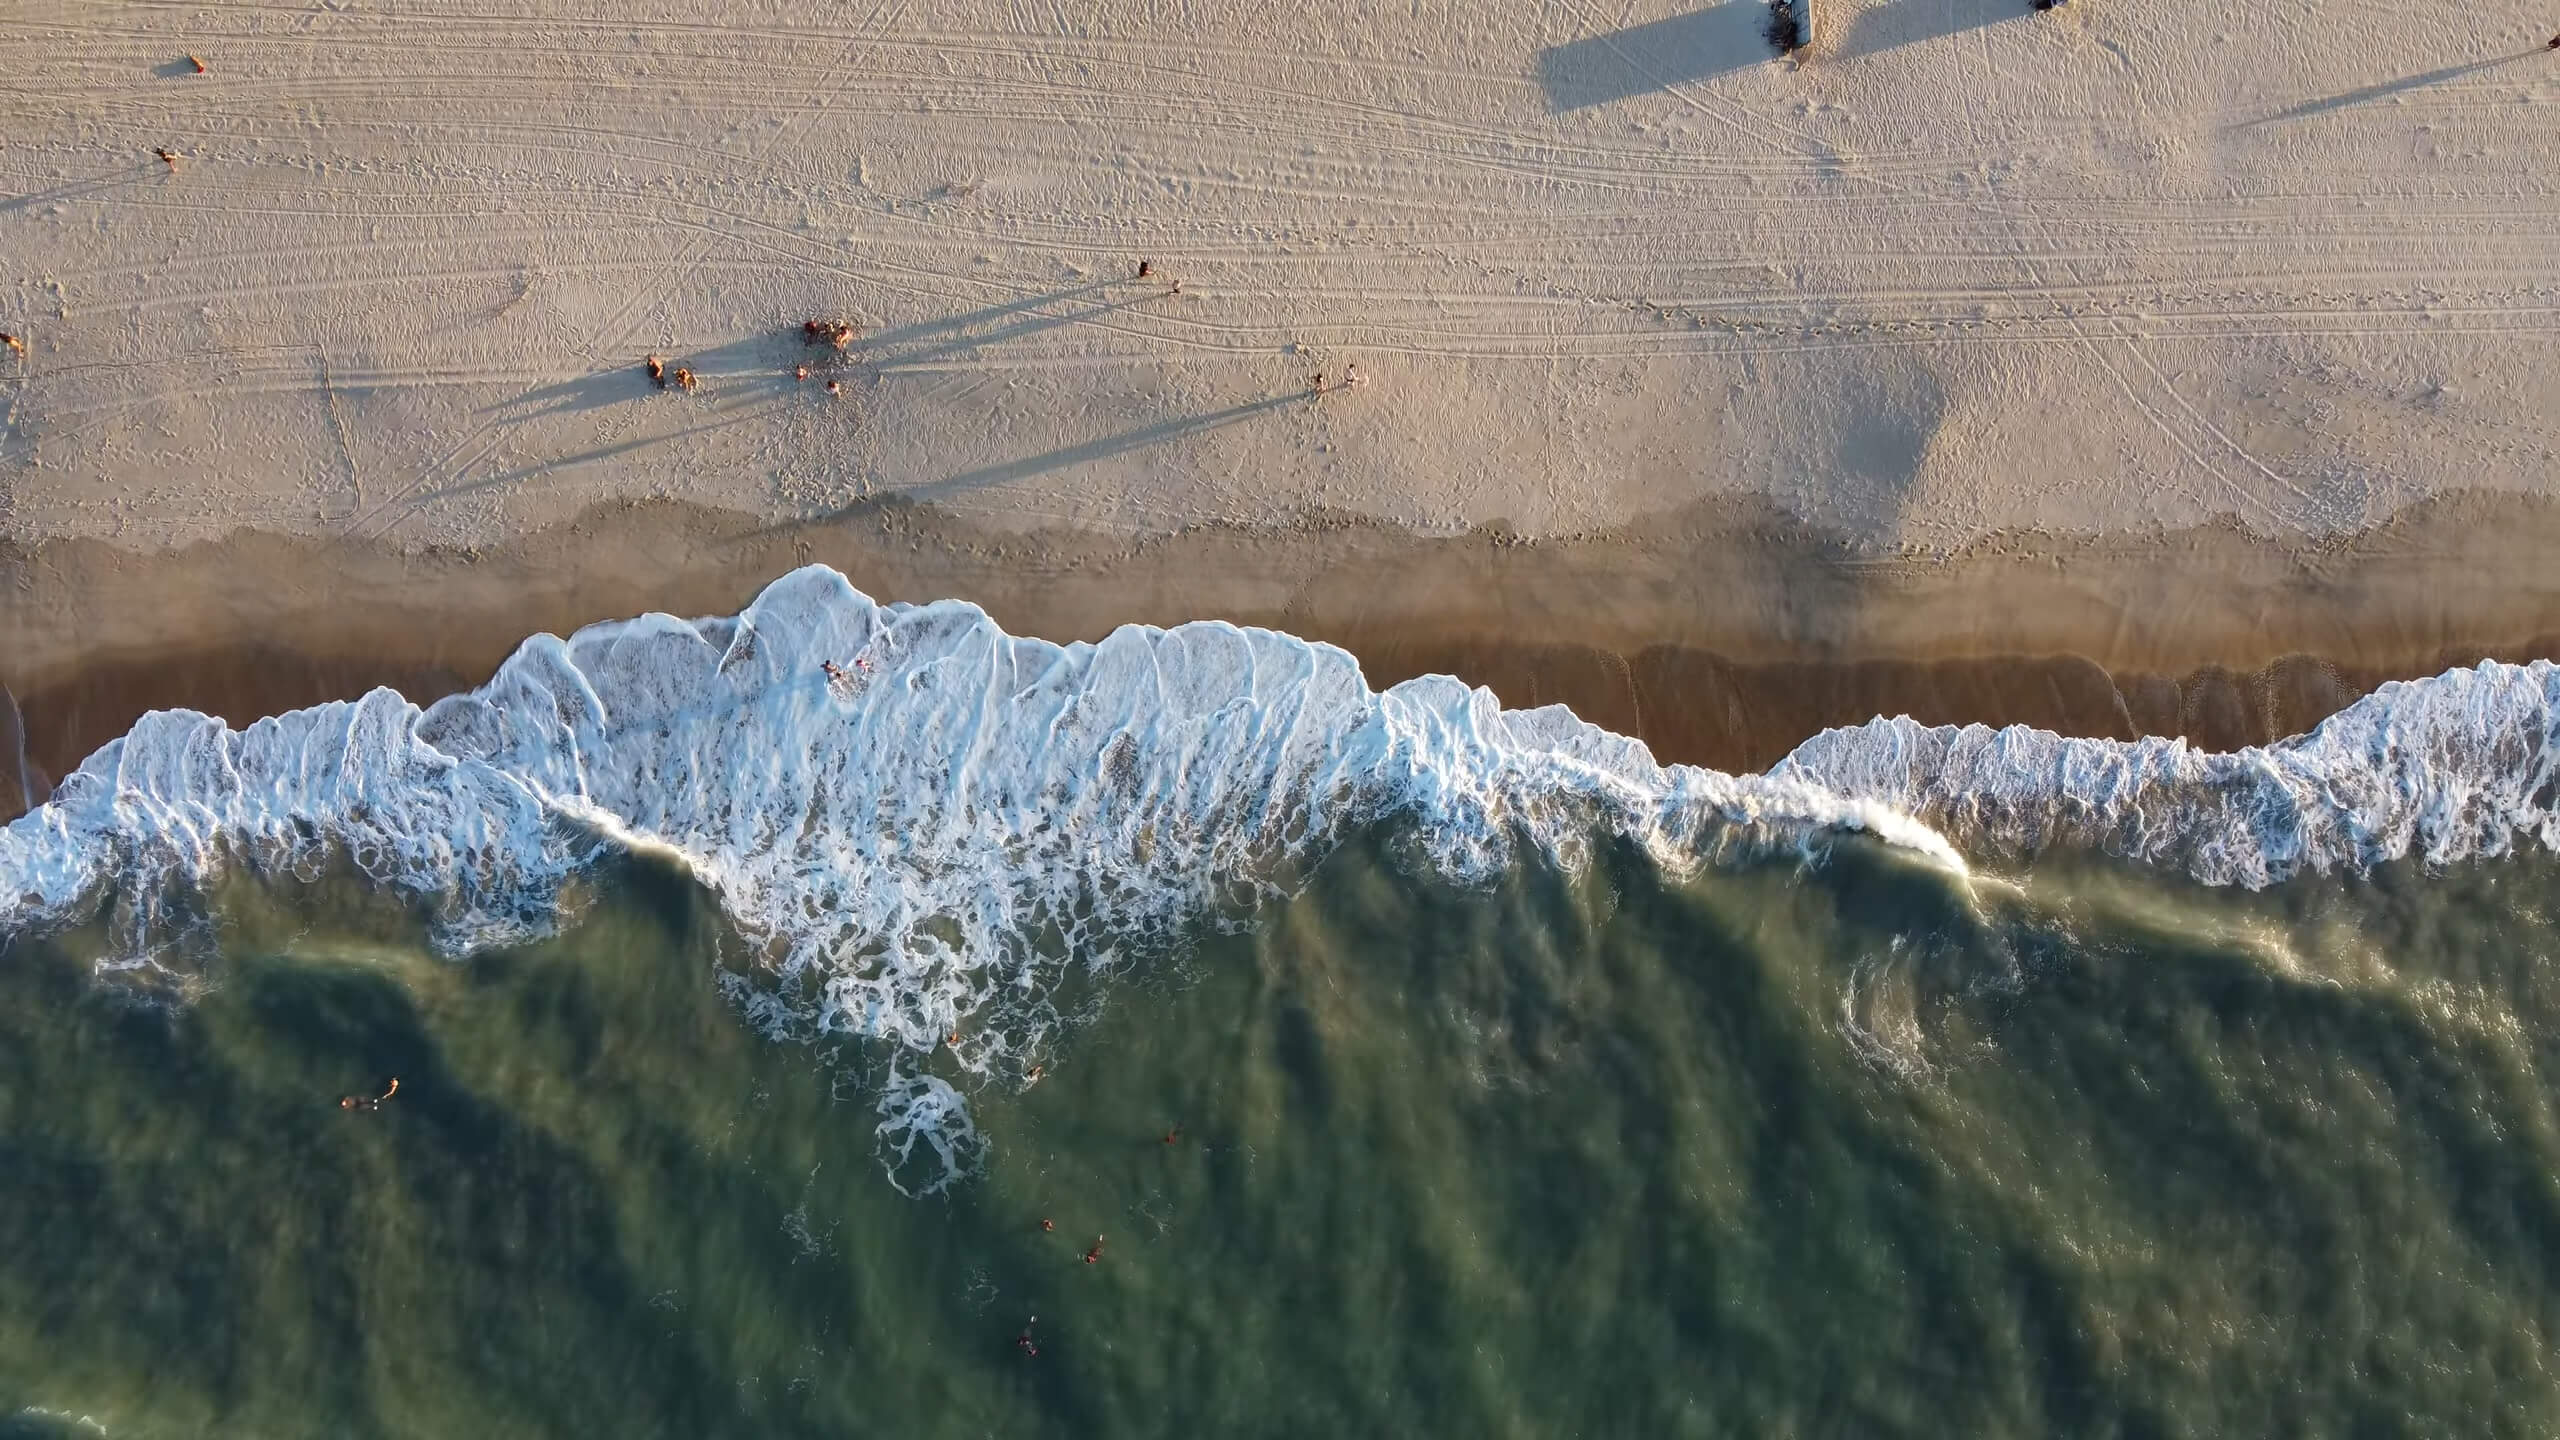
930	822
2450	768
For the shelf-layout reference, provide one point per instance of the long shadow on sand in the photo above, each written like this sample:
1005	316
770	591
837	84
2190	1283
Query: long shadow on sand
2386	89
750	413
885	355
1916	22
1602	69
955	324
762	363
1101	449
76	189
759	362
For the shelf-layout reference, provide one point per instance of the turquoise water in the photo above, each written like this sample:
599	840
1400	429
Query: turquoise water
1853	1146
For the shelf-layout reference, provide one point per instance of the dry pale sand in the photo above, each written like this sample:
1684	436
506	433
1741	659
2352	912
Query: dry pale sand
2131	279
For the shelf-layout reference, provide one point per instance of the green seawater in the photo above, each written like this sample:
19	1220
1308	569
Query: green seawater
1848	1148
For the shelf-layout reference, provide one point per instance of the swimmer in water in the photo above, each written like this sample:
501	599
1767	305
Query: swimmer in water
369	1102
1094	1255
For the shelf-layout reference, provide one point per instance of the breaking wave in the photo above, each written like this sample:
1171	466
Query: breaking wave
2451	768
928	823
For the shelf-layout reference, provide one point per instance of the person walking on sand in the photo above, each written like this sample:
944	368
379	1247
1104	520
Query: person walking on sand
369	1102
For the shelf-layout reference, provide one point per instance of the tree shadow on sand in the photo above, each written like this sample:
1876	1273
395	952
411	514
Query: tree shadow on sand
1603	69
1916	22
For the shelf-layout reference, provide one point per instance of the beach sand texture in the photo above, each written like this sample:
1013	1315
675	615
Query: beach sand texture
2100	276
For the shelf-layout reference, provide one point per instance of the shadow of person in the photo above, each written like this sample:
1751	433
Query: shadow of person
2387	89
762	360
1103	448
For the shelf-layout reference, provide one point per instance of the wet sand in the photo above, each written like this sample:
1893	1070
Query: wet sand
1720	635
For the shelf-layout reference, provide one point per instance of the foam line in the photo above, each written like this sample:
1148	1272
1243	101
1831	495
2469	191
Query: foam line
2450	768
929	838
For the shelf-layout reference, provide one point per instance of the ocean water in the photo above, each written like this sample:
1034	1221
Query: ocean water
1419	1067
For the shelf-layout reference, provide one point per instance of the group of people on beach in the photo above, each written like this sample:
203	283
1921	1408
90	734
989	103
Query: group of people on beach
837	335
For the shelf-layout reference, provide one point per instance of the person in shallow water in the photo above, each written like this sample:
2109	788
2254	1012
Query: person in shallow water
369	1102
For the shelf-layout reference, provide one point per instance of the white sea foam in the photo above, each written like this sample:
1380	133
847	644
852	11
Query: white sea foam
929	839
2449	768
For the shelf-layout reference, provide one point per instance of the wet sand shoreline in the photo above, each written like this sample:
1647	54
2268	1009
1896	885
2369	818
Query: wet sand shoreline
1721	636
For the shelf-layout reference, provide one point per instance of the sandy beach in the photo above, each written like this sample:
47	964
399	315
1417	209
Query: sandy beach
2130	367
859	1006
